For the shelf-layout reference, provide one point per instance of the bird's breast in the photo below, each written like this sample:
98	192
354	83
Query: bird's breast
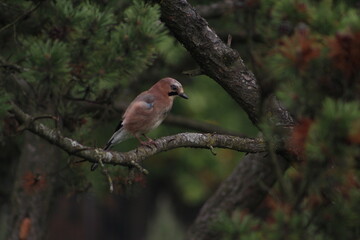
160	118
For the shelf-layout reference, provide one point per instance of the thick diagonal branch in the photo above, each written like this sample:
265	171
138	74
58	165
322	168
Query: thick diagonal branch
225	66
215	58
132	158
244	188
219	61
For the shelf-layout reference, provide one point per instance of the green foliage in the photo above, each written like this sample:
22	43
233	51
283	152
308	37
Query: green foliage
47	62
323	17
240	225
140	34
317	217
309	62
81	51
88	49
339	117
293	11
91	51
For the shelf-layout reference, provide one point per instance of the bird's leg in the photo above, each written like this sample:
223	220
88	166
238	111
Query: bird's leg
150	141
144	143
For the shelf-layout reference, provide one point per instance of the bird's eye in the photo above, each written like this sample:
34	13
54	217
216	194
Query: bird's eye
173	87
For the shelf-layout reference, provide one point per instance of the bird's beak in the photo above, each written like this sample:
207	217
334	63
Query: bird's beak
183	95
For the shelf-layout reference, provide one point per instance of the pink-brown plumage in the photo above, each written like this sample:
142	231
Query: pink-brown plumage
146	112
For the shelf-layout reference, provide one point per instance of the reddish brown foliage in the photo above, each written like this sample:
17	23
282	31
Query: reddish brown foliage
345	52
298	137
351	182
301	7
25	227
314	201
33	182
252	3
354	136
273	205
300	48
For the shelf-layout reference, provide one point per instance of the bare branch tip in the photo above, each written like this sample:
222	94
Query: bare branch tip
229	40
140	168
212	150
193	72
106	173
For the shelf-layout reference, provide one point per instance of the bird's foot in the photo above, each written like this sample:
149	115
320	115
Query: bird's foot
148	143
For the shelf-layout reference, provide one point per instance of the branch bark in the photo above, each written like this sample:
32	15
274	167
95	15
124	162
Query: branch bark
244	188
133	157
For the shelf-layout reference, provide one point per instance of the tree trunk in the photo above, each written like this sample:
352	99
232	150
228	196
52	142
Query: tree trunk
245	189
33	190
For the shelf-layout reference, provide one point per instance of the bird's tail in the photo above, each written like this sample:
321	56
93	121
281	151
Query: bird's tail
107	146
120	135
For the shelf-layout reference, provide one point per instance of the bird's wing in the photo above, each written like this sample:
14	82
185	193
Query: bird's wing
141	107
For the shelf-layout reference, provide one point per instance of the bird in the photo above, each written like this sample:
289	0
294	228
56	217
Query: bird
146	112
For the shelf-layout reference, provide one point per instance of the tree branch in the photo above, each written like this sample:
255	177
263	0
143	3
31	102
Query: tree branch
215	58
134	157
218	61
225	66
20	17
245	187
171	119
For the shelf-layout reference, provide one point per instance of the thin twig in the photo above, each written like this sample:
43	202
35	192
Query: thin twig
19	18
140	168
212	150
105	171
229	40
46	117
10	66
193	72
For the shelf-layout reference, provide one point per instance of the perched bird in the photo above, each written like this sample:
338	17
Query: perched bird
146	112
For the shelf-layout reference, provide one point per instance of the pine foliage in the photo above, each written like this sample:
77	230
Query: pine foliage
78	41
311	63
82	50
307	56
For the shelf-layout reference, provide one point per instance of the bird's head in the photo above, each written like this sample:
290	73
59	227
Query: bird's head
172	87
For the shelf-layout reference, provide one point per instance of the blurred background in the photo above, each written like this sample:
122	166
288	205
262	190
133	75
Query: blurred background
84	61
